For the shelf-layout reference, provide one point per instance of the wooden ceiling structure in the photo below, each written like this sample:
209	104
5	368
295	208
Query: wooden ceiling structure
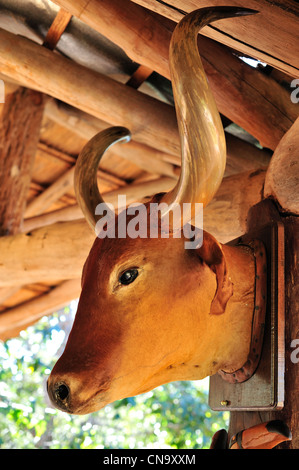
72	68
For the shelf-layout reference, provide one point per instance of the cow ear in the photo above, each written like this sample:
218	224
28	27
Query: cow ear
211	253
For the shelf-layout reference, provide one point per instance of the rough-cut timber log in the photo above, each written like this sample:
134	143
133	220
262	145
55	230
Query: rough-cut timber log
13	320
152	122
19	134
226	215
86	126
20	123
282	179
276	24
58	251
48	152
50	195
241	155
55	252
242	93
133	192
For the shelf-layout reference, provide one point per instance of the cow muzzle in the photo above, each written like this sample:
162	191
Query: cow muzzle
74	395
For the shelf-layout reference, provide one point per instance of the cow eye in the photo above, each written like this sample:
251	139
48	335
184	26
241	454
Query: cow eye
128	276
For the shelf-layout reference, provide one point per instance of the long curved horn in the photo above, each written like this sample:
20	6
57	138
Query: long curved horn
85	178
203	148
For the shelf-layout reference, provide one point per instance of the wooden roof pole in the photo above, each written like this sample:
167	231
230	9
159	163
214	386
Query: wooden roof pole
241	155
15	319
41	203
243	94
20	123
152	122
264	39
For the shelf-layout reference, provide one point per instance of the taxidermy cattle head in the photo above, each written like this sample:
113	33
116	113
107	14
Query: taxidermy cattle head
152	311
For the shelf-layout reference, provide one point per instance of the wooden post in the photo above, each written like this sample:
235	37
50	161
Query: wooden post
19	134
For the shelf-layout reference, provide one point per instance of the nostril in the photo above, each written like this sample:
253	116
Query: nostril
62	392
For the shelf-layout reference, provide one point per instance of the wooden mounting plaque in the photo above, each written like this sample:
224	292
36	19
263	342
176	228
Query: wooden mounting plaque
265	389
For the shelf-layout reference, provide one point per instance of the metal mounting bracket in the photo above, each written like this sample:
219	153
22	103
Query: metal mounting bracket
265	389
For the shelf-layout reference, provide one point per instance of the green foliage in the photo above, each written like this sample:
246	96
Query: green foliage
172	416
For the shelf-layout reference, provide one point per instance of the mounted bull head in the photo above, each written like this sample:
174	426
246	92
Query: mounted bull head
151	311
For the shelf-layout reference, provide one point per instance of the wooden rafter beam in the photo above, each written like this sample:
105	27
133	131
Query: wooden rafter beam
242	93
134	192
20	125
13	320
58	251
261	37
151	122
241	156
20	122
51	194
51	152
86	126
